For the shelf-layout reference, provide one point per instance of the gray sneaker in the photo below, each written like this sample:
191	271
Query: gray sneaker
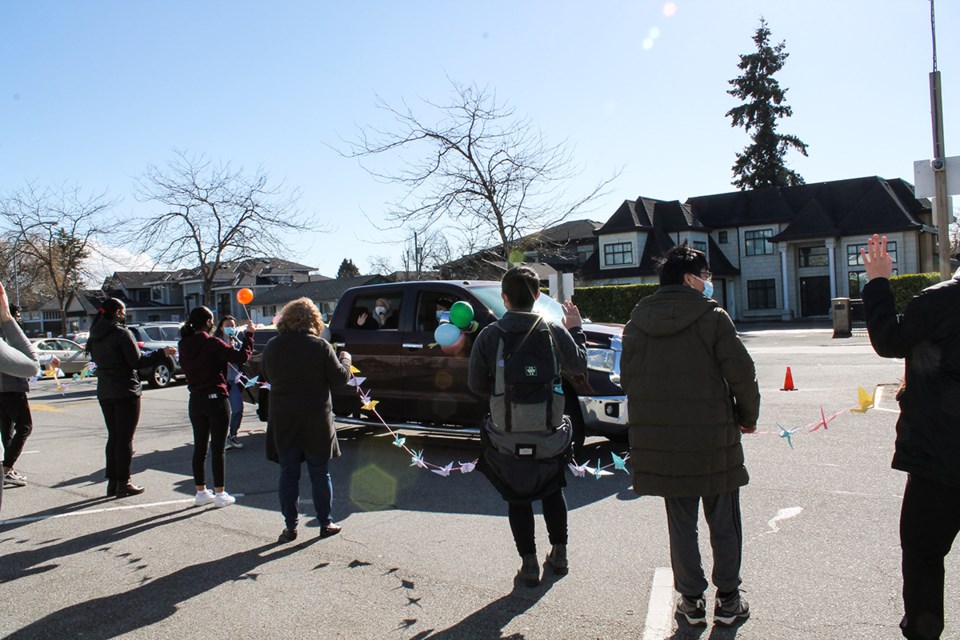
14	479
693	609
731	610
233	442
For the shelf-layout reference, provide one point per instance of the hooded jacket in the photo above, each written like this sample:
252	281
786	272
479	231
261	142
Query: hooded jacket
927	335
15	338
117	356
690	386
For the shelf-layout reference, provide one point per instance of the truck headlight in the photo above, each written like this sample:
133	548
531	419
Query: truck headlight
601	360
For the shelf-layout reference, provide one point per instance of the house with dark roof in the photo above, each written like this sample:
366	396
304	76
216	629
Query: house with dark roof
776	253
561	248
150	296
325	294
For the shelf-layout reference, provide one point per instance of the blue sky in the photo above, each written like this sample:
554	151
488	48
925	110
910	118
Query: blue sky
94	91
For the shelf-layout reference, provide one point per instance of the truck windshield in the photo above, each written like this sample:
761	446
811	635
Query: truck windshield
545	305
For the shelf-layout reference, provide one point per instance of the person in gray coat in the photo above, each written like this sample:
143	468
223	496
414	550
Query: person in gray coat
691	391
301	367
17	357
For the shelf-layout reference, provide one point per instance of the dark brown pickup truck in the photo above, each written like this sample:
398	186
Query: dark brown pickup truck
419	386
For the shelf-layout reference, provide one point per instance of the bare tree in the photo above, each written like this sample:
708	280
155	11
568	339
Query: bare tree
381	265
480	167
424	251
210	214
51	231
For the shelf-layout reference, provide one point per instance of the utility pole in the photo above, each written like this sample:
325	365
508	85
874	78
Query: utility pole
941	201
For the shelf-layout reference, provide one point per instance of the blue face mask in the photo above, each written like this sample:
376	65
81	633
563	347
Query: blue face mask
229	331
707	289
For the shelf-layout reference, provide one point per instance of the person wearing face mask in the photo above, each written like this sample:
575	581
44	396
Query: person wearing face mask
227	331
204	360
691	392
383	317
118	358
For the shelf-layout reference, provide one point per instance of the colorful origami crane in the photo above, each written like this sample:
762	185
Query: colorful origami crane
599	471
823	420
418	460
620	463
864	401
579	470
467	467
787	433
443	471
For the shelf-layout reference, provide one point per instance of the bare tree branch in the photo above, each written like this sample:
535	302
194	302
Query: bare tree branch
209	214
479	168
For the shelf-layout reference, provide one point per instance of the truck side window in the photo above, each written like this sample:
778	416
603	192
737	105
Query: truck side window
432	309
375	313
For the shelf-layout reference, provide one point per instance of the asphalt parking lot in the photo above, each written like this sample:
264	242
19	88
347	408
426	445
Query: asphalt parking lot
424	556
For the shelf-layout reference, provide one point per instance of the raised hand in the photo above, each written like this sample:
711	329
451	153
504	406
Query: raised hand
876	260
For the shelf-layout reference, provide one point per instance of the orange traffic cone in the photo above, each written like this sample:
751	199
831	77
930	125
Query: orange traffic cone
788	382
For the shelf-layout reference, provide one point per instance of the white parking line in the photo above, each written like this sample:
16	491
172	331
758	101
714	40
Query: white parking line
87	512
659	622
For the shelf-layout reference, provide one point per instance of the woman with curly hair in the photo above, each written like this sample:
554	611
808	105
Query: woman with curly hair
300	416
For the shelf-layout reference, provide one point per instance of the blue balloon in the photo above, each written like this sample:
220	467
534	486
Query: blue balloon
446	334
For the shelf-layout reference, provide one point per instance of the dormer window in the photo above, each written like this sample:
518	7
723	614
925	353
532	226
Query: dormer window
618	253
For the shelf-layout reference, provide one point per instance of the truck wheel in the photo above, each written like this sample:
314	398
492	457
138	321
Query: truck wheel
161	375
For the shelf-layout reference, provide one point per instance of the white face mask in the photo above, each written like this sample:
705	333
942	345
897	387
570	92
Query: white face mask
381	310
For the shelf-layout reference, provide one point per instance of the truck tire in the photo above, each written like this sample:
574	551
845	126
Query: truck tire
161	375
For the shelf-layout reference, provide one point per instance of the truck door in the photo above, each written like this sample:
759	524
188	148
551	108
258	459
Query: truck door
375	347
435	382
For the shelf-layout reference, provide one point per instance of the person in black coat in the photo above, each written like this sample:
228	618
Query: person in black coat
118	358
927	335
301	367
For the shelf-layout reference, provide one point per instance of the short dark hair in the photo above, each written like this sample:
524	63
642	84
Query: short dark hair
14	309
521	286
679	261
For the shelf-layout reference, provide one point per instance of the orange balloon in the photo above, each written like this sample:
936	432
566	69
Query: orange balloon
245	296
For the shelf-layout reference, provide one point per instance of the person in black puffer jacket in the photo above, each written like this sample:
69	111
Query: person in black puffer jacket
927	335
117	356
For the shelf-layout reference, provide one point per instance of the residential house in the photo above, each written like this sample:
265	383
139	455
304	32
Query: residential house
149	296
324	293
776	253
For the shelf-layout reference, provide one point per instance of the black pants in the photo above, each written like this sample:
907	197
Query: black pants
929	522
121	416
16	423
521	522
210	418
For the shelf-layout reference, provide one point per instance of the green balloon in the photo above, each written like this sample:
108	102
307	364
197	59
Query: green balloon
461	314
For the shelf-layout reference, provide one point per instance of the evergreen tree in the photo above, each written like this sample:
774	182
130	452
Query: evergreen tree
762	163
348	269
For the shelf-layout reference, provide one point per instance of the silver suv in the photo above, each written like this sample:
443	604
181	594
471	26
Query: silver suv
157	335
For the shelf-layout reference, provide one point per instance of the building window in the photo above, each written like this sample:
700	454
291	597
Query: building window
619	253
722	237
756	243
584	251
762	294
699	245
156	293
51	315
854	259
813	257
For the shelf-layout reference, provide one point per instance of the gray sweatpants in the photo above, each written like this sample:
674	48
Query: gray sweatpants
726	539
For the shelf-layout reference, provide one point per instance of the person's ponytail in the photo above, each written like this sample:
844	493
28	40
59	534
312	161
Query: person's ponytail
196	321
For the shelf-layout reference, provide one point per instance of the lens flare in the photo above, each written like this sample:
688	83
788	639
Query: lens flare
669	9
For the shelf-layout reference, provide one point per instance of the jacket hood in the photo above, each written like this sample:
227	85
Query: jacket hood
101	329
670	310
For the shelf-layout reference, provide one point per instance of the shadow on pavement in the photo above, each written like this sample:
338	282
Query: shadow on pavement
153	601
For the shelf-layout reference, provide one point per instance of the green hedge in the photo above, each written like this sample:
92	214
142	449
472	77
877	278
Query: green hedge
611	303
905	287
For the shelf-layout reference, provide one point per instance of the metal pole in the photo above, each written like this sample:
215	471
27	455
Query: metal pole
941	202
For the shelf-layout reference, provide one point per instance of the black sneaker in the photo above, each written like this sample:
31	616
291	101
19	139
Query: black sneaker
557	559
287	535
731	610
693	609
529	572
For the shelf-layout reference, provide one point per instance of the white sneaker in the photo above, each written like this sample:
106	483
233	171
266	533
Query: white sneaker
203	498
14	479
223	499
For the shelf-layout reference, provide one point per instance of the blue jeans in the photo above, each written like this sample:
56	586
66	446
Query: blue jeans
322	485
236	407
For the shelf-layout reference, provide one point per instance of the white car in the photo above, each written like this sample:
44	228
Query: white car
72	356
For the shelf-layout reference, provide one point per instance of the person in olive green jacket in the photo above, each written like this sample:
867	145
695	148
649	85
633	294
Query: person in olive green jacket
691	391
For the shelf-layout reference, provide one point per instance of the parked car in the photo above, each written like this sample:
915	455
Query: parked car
419	386
72	356
151	336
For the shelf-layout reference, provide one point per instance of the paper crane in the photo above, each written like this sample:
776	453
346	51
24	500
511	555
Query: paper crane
788	434
251	381
599	471
356	381
398	441
823	420
418	460
354	370
443	471
579	470
467	467
620	463
864	400
370	405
